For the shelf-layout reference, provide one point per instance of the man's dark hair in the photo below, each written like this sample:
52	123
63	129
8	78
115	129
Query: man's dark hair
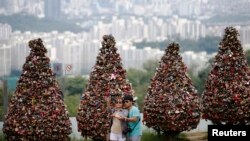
128	97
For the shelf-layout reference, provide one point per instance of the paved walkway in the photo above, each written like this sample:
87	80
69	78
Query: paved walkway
197	136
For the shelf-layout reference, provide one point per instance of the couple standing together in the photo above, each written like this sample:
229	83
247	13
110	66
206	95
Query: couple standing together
125	114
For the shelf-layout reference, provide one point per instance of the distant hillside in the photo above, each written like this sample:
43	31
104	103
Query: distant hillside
30	23
229	19
208	44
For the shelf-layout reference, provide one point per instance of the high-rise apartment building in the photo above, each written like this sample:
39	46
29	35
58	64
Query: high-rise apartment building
5	60
52	9
5	32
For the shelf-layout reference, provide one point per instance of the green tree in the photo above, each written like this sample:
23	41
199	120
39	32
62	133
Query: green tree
200	80
197	82
140	80
135	76
1	96
72	102
248	56
75	85
150	67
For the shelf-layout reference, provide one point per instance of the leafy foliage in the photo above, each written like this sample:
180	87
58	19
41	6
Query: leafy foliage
72	103
140	80
75	85
248	57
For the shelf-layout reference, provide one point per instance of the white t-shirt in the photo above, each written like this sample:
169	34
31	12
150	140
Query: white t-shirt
118	124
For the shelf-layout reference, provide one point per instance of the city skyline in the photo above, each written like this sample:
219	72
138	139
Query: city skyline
129	21
80	8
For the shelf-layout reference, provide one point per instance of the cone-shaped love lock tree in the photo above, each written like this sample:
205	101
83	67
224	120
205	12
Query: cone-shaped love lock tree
226	98
107	80
36	111
172	104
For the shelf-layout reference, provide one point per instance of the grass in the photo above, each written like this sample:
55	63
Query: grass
199	136
2	136
153	136
205	137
